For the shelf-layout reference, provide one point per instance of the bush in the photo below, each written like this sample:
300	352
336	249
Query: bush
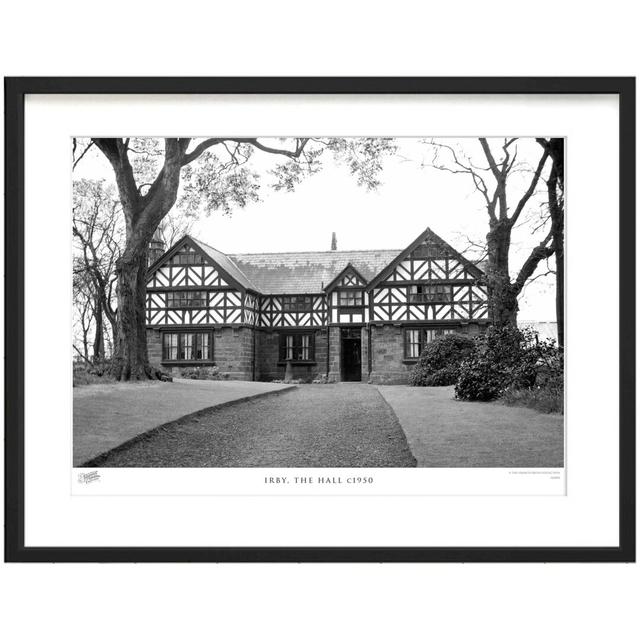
480	378
94	373
507	358
440	360
547	392
202	373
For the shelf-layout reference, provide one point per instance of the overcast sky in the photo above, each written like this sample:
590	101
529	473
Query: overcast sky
412	196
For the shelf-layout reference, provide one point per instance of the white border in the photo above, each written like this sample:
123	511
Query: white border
587	516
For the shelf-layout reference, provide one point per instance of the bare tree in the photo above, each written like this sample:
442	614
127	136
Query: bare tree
174	226
492	182
83	314
97	237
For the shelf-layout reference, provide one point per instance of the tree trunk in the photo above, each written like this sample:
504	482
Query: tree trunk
142	216
114	334
502	295
98	343
557	220
130	359
560	294
555	186
85	344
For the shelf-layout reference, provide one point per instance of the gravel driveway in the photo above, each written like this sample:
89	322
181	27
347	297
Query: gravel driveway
334	425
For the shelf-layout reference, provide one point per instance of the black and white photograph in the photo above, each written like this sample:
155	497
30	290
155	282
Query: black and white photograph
318	302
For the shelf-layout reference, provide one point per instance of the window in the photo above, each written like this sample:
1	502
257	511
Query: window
189	347
413	343
296	303
430	293
187	258
296	346
429	250
349	298
416	339
177	299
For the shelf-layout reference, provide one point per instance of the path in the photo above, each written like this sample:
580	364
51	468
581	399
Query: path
444	432
106	415
334	425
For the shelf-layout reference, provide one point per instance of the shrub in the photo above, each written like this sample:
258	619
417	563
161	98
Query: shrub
480	378
94	373
202	373
547	392
440	360
507	358
498	361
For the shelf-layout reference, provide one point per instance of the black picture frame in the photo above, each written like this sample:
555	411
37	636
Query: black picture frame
15	91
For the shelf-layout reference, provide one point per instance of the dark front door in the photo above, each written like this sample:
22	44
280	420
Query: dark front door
351	355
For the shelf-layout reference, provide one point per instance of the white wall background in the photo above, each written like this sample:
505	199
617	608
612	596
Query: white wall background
332	38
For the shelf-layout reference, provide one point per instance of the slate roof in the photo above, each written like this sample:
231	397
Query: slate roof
224	261
301	271
308	271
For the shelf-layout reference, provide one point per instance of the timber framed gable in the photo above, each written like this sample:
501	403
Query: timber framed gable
299	310
428	281
185	286
166	274
347	297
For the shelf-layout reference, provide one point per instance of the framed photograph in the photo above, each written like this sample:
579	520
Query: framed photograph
320	319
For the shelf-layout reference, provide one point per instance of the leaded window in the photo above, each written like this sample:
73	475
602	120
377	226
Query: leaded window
296	346
178	299
416	339
429	250
297	303
430	293
349	298
190	257
187	346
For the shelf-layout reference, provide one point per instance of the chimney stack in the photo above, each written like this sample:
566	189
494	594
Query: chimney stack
334	242
156	247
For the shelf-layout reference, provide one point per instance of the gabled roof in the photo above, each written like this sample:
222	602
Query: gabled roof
226	266
225	262
427	234
346	270
309	271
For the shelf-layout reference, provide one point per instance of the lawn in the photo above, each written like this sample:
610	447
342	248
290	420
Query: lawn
336	425
108	415
444	432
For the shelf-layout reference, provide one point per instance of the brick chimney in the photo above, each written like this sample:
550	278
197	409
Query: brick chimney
334	242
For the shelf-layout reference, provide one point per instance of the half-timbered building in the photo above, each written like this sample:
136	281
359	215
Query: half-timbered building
349	315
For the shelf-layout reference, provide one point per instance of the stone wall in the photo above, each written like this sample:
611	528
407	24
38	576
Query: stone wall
232	351
388	364
387	355
154	347
268	357
334	353
365	354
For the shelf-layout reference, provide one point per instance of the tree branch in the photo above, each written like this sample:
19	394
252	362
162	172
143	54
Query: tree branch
539	253
206	144
116	152
75	162
529	192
